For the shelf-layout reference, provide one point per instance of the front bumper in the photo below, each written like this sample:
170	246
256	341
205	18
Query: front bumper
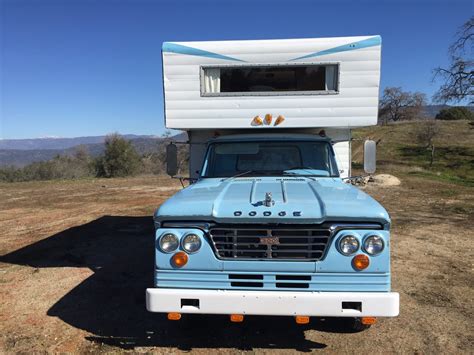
278	303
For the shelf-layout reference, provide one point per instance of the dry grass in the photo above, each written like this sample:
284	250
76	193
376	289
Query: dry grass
399	151
77	256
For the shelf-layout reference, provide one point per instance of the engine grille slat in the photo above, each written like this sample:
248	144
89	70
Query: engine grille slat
286	244
275	243
224	237
272	250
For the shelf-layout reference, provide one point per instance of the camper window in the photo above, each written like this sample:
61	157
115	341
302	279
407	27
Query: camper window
269	79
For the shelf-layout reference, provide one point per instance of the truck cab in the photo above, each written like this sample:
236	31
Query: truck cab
270	224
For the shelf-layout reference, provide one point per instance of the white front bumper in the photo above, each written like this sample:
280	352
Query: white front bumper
279	303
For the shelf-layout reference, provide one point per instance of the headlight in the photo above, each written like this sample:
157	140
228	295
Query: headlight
373	245
348	245
191	243
169	242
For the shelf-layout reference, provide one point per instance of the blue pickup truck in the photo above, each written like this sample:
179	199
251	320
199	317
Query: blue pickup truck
270	224
270	228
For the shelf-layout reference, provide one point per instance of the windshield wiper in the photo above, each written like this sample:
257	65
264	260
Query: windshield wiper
307	168
263	172
301	167
239	174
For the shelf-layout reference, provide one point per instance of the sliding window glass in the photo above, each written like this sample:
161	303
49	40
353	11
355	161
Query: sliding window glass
269	80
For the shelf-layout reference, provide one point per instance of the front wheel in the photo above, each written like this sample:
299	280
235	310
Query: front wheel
357	326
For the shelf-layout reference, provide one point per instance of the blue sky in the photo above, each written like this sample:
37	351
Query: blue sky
74	68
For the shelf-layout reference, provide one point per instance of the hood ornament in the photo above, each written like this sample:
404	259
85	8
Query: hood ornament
269	202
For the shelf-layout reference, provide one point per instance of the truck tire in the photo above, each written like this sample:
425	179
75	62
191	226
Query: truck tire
357	326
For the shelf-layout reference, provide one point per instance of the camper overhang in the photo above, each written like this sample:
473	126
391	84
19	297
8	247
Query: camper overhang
323	82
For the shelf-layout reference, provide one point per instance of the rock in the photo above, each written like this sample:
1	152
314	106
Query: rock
386	180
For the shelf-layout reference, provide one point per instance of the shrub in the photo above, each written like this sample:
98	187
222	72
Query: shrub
120	158
60	167
455	113
425	135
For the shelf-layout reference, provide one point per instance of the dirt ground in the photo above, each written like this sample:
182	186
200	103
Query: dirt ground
77	256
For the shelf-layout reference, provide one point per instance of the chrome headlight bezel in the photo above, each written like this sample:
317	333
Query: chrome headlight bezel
174	240
197	242
369	239
352	240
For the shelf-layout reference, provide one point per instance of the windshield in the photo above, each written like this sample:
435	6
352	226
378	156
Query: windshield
307	158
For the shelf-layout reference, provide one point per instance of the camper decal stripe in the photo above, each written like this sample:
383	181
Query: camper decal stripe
179	48
369	42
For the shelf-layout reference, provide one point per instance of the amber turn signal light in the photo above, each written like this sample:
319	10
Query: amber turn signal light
180	259
257	121
302	319
279	120
368	320
268	119
360	262
174	316
237	318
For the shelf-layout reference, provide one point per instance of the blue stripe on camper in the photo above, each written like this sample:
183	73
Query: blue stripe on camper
369	42
179	48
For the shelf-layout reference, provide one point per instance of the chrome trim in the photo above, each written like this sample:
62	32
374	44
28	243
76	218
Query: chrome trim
341	226
204	226
339	242
161	237
333	229
182	243
364	239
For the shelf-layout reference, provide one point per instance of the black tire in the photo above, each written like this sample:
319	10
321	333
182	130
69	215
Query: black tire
357	326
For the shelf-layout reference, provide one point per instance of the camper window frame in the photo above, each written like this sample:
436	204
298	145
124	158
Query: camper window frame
202	68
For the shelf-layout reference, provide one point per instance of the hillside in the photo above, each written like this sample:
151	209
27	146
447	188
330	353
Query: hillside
58	143
430	111
21	152
399	153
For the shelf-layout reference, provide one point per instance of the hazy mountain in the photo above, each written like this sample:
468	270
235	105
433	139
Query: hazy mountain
56	143
19	152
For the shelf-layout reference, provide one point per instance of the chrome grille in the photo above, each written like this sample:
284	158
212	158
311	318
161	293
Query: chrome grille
279	243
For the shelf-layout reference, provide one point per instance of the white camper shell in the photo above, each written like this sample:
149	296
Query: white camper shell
299	84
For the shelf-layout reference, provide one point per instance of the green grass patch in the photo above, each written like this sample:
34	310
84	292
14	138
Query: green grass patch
399	152
444	177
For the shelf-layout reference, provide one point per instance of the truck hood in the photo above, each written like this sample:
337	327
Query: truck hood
296	200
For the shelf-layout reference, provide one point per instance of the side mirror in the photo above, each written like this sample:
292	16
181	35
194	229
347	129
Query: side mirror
171	159
370	156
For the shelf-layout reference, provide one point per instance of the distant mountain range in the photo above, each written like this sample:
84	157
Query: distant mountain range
59	143
21	152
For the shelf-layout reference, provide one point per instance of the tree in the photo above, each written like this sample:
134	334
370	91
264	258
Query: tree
120	158
426	134
455	113
81	153
458	78
397	105
166	134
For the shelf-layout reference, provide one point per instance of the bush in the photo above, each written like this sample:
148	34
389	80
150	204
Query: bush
120	158
60	167
455	113
425	135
